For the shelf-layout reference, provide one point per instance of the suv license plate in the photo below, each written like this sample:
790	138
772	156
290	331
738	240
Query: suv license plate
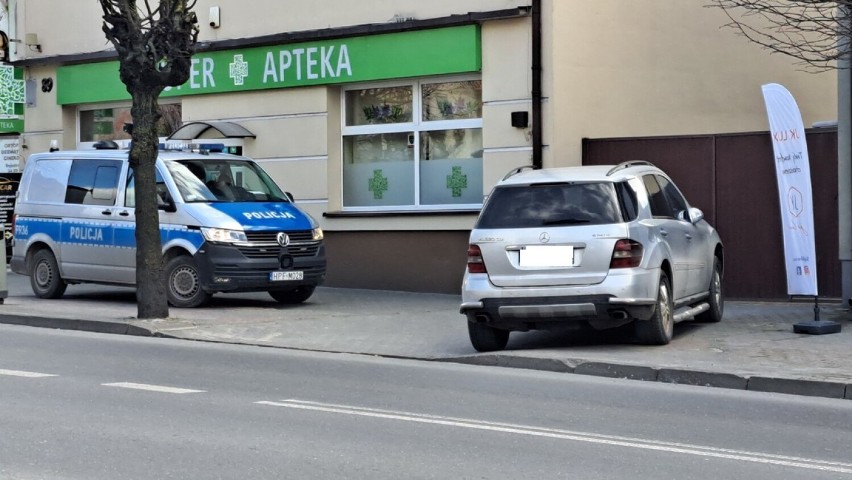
284	276
547	256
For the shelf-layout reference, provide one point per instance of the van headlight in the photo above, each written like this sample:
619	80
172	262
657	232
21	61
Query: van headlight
220	235
317	234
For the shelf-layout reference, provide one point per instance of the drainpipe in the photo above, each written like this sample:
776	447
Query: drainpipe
538	145
844	160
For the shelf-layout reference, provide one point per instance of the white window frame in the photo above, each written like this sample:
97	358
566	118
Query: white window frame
417	125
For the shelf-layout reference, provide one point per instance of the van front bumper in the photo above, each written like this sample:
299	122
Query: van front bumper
227	268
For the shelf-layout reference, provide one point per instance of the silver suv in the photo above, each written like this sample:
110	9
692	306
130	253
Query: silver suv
605	245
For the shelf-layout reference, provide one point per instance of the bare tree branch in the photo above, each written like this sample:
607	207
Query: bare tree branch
807	30
158	42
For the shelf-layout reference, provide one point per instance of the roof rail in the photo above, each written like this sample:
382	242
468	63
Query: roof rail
517	170
627	164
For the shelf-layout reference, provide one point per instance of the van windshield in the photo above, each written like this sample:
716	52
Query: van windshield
223	180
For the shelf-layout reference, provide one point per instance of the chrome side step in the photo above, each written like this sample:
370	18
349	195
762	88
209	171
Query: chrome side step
690	313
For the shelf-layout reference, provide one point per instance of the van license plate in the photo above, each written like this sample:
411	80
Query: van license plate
284	276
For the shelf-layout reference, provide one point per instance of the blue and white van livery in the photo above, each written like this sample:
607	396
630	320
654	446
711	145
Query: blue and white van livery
225	226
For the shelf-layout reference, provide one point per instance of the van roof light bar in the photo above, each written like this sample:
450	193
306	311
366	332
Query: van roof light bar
105	145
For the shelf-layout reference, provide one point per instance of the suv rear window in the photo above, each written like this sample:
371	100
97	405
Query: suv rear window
539	205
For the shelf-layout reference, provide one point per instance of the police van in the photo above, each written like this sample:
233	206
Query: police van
225	226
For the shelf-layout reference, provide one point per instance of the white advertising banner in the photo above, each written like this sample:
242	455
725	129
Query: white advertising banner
793	173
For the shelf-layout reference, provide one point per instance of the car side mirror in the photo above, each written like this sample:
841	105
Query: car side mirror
695	215
290	197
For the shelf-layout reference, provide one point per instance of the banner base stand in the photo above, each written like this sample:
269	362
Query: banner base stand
817	327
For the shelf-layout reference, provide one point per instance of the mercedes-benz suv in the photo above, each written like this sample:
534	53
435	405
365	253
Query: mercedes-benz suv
604	245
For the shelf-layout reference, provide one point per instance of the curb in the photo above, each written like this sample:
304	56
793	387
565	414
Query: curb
811	388
95	326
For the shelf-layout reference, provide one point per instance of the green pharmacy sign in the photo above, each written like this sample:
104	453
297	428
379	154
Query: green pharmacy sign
344	60
12	99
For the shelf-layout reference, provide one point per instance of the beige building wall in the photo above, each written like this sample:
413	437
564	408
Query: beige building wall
660	67
507	87
43	121
80	27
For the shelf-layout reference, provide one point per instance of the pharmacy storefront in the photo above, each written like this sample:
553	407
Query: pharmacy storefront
379	136
12	99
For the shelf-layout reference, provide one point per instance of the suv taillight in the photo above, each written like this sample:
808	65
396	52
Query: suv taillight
475	264
626	254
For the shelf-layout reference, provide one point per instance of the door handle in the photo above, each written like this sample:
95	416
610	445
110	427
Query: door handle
124	213
688	236
106	212
663	232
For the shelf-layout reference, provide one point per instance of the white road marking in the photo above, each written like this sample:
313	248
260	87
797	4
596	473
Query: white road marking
152	388
670	447
18	373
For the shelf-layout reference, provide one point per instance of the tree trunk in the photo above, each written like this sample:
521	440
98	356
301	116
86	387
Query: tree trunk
152	301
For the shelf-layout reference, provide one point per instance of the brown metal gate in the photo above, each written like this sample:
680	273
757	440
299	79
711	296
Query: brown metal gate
731	178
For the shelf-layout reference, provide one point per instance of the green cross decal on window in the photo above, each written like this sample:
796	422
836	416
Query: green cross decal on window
378	184
457	181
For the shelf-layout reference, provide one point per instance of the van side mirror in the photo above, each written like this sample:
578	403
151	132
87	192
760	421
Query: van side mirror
167	206
165	202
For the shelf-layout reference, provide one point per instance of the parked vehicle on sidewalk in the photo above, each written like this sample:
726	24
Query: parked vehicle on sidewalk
604	245
225	226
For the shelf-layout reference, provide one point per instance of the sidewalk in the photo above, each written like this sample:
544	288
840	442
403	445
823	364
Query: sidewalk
753	348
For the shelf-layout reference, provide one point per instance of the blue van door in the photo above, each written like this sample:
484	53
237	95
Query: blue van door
88	249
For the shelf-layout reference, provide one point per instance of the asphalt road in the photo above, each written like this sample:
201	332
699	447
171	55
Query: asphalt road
80	405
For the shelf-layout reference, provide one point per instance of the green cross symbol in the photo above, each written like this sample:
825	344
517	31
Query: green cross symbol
12	92
457	181
238	70
378	184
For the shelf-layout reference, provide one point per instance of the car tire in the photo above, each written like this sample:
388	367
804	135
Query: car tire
183	283
658	330
293	296
716	299
44	275
485	338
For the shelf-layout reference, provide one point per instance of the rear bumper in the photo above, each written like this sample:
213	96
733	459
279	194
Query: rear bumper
616	300
549	312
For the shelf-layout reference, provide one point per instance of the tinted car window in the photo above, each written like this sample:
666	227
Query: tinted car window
163	196
676	200
659	205
93	182
627	200
527	206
